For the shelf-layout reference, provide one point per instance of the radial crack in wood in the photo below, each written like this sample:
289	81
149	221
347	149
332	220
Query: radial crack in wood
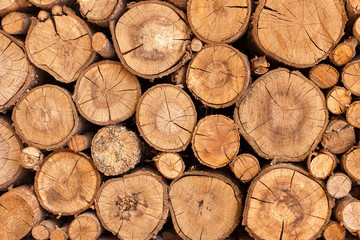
324	75
245	167
85	226
170	165
338	185
321	164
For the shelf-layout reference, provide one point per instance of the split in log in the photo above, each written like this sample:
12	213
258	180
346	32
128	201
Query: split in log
215	141
259	65
85	226
61	52
283	202
299	34
46	117
344	52
115	150
334	231
134	206
339	136
60	233
347	212
338	185
16	72
66	183
350	163
19	212
282	115
218	21
48	4
353	114
106	93
218	75
321	164
166	118
43	229
324	75
338	100
7	6
245	167
16	23
350	77
102	45
31	158
204	205
151	39
170	165
81	142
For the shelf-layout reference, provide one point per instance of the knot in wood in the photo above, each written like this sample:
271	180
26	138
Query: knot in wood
287	207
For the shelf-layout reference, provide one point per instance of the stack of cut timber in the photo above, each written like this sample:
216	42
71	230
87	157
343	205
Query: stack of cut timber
179	119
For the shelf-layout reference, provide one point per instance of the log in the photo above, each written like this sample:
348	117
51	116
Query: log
49	4
218	75
17	73
81	142
149	47
338	99
334	231
356	28
196	45
60	233
102	45
134	206
344	52
101	12
181	4
352	9
350	163
204	205
350	76
62	53
282	115
7	6
170	165
259	65
338	185
19	212
245	167
43	229
321	164
16	23
339	136
347	212
85	226
215	141
166	118
66	183
284	202
46	117
324	75
216	21
106	93
115	150
353	114
179	76
299	35
31	158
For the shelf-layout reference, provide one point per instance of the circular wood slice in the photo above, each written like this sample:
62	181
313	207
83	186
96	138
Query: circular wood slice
134	206
334	231
347	212
60	233
350	77
204	205
219	21
321	164
31	158
282	115
106	93
166	118
338	99
245	167
218	75
46	117
16	23
215	141
353	114
85	226
298	33
350	162
344	52
115	150
338	185
339	136
66	183
79	142
324	75
61	52
283	202
151	39
170	165
7	6
42	230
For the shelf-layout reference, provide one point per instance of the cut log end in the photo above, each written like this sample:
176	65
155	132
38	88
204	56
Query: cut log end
245	167
170	165
79	142
344	52
102	45
353	114
60	233
31	158
347	212
16	23
322	164
334	231
339	185
350	163
350	77
85	226
338	100
324	75
13	5
43	229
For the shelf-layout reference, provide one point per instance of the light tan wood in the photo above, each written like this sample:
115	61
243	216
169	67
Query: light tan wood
350	163
339	136
334	231
321	164
60	233
43	229
282	115
7	6
46	117
66	183
356	28
53	48
245	167
196	45
81	142
48	4
299	34
324	75
179	76
17	74
106	93
102	45
217	21
19	212
149	47
166	118
218	75
350	77
179	3
283	202
344	52
170	165
338	100
134	206
85	226
259	65
215	141
16	23
115	150
204	205
353	114
347	212
338	185
31	158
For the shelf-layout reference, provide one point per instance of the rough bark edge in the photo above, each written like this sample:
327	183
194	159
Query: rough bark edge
156	163
326	65
344	166
246	81
343	73
138	172
68	12
253	143
75	95
185	58
315	154
17	5
231	39
254	35
232	163
89	203
331	201
49	6
141	131
228	181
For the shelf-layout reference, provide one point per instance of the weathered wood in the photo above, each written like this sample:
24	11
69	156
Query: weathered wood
324	75
334	231
48	4
338	185
350	163
60	233
170	165
182	4
353	114
353	9
350	77
81	142
259	65
85	226
356	28
196	45
338	100
102	45
7	6
344	52
347	212
42	230
31	158
245	167
16	23
321	164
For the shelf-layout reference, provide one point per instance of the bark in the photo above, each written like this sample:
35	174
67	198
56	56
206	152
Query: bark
16	23
102	45
338	185
42	230
344	52
7	6
338	100
321	164
353	114
350	76
48	4
350	163
259	65
324	75
85	226
347	212
245	167
334	231
170	165
31	158
81	142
